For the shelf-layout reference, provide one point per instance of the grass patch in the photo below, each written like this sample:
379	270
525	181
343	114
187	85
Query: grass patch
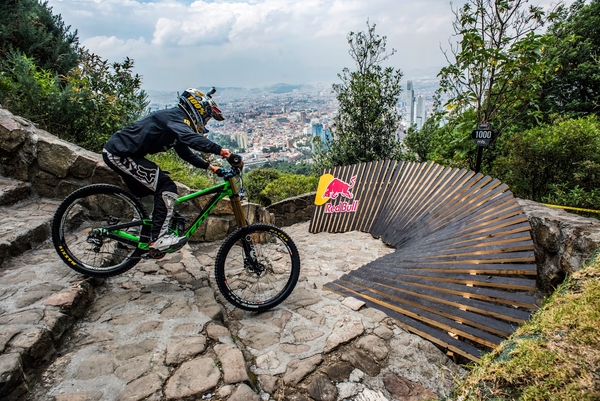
555	356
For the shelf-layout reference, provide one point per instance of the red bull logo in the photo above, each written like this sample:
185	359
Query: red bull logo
332	188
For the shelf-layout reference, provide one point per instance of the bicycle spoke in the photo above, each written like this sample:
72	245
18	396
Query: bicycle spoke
83	224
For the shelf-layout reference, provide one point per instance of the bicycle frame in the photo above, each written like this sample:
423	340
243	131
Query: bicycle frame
220	191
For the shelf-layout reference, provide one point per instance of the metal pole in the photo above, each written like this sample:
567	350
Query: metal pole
478	160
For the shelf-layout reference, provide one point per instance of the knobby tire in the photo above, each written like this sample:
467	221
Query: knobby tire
279	264
86	211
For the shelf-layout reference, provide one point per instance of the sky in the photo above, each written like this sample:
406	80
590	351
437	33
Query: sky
176	44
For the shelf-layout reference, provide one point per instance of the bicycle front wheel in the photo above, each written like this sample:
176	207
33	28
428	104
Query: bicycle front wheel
257	267
84	233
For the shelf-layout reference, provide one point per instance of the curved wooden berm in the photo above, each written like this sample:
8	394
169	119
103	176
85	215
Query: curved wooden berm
463	273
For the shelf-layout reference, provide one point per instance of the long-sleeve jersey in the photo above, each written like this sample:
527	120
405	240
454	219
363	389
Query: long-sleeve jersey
159	132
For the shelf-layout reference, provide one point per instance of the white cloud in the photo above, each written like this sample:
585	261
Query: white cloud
255	41
115	48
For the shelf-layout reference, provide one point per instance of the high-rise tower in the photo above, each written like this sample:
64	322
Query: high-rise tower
410	102
420	111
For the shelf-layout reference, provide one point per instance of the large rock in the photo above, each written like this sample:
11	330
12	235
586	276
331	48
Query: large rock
193	379
563	242
55	156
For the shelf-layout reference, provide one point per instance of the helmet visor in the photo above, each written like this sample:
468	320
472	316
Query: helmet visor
216	112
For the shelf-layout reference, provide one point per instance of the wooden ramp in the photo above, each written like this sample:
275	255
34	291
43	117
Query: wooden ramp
463	273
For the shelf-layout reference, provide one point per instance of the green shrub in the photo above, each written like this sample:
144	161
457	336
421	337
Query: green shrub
256	181
545	161
577	197
266	186
289	185
85	107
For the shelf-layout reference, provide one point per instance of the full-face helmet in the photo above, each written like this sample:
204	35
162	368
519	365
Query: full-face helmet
200	108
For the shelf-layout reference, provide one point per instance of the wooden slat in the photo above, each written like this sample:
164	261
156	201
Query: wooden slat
417	312
436	336
482	322
485	307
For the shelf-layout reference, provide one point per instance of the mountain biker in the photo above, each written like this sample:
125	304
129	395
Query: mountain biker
181	128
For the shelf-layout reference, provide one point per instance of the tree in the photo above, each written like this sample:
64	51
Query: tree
29	27
495	71
563	156
99	99
367	121
572	86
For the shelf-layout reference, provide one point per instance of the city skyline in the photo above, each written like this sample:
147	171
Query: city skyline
252	43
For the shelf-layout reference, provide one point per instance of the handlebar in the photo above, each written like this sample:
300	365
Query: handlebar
231	172
211	92
236	167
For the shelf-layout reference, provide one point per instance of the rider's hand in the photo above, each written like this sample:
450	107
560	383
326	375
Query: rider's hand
218	171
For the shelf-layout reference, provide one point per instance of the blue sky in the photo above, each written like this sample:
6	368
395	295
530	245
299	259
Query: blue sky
248	43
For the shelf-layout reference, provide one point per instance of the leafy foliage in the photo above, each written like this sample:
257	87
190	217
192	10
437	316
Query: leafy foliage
572	86
494	61
46	77
289	185
85	107
564	156
101	98
291	168
367	121
29	27
256	181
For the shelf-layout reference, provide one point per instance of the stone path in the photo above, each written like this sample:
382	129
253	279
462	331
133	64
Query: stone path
161	332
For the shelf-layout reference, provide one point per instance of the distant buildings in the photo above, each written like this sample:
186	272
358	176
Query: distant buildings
323	134
241	140
417	112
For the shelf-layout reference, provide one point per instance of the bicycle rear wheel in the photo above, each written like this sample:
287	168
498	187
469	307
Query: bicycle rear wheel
80	234
257	267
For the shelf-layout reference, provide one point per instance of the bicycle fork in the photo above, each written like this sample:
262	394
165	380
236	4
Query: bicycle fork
250	257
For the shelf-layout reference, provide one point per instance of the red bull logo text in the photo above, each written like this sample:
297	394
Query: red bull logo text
342	207
332	188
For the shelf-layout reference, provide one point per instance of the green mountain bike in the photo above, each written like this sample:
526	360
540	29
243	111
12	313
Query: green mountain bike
102	230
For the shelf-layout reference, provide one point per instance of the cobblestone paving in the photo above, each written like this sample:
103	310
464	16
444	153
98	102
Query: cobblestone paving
161	332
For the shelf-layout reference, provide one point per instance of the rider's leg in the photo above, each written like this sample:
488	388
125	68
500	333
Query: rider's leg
164	203
143	178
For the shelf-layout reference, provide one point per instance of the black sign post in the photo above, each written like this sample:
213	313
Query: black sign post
482	136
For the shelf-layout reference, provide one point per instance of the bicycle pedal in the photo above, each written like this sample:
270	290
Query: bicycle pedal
154	254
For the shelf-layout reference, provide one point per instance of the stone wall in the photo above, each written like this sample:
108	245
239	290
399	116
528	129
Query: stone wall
293	210
55	168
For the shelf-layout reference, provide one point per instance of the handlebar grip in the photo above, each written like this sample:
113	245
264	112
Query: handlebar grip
211	92
235	160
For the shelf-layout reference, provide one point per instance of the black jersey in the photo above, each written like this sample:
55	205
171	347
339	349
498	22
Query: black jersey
159	132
